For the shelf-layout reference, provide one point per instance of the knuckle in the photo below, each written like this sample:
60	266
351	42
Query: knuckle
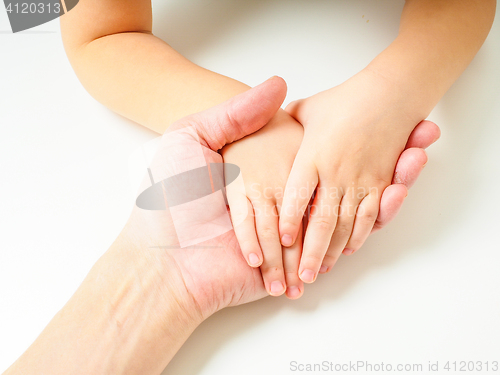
330	259
272	260
271	269
290	250
214	135
291	274
268	233
291	265
355	243
314	258
343	230
322	223
248	246
290	226
369	216
291	211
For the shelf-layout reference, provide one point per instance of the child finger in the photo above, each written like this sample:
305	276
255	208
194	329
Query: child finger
242	216
366	215
266	222
300	186
322	222
291	261
342	233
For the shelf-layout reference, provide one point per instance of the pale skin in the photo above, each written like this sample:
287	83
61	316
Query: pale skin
124	66
145	295
362	126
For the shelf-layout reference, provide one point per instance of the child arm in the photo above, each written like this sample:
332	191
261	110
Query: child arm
362	126
437	40
125	67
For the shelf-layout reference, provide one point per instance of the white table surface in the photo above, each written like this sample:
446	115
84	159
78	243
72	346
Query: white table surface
426	288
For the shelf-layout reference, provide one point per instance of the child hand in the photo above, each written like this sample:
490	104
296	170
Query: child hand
265	159
353	136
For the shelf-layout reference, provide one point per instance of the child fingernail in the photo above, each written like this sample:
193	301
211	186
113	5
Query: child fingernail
293	292
253	259
276	288
348	251
323	269
307	276
286	240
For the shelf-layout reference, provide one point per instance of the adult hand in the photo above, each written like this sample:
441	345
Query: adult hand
145	295
214	271
410	163
265	158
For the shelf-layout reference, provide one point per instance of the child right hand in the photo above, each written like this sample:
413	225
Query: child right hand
265	159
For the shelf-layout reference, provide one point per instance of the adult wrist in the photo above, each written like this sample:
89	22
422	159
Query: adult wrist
144	307
120	320
151	237
153	271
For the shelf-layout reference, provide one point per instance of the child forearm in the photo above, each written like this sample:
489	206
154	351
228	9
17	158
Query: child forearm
114	54
437	40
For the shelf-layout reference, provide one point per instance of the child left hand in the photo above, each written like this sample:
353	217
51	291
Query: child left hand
353	136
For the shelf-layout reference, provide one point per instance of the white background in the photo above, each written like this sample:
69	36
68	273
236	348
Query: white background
426	288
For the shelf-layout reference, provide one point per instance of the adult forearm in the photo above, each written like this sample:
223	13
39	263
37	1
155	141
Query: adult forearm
436	42
130	316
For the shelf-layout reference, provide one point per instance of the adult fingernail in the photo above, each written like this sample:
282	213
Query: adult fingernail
276	288
253	259
286	240
293	292
348	251
307	276
323	269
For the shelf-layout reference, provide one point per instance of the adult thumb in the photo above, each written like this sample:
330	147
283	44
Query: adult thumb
239	116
